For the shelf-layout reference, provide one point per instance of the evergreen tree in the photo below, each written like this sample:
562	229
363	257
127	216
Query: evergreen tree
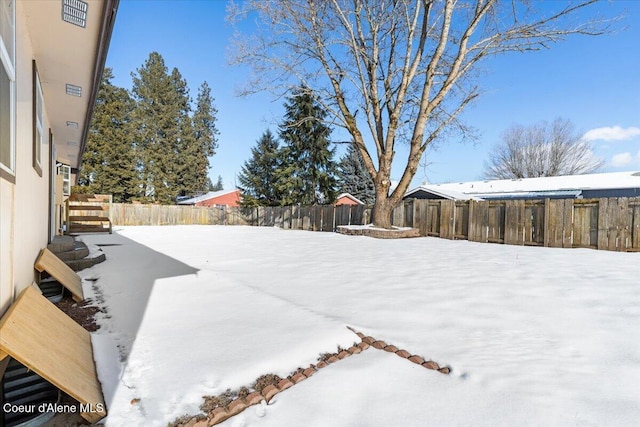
162	147
189	178
109	160
258	177
218	185
201	145
354	178
158	117
308	173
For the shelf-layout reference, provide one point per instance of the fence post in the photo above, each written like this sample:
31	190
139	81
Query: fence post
635	225
567	224
333	222
547	234
471	226
624	217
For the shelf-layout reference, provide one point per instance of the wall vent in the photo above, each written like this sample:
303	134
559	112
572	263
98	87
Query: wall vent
75	12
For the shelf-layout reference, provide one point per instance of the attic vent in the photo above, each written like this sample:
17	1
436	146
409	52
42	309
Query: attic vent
73	90
75	12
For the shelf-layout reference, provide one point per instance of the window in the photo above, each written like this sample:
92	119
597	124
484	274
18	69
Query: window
65	171
38	121
7	91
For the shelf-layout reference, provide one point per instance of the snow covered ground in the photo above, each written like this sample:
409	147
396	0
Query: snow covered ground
534	336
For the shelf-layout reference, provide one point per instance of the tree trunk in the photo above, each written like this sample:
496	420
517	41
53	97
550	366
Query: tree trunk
382	210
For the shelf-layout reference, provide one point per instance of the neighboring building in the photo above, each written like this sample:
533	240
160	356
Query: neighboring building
52	55
433	192
230	198
616	184
347	199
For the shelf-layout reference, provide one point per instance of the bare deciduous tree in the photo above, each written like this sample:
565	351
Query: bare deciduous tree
401	69
544	149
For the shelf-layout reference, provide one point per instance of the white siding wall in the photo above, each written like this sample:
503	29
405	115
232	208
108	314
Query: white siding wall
25	211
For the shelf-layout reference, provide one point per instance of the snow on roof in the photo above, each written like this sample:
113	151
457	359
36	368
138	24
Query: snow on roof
207	196
349	196
447	194
554	183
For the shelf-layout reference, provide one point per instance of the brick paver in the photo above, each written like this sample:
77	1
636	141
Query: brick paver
238	405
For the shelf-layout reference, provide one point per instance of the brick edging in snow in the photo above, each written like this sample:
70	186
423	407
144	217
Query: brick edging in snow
419	360
236	406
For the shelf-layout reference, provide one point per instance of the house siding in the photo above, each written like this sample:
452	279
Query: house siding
32	190
25	204
230	199
6	244
345	201
25	199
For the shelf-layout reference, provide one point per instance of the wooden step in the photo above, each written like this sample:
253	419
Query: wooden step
91	198
88	218
88	208
81	228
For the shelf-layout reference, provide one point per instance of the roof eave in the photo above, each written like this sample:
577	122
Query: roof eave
109	11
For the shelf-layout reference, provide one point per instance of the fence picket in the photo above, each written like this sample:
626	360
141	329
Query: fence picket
605	224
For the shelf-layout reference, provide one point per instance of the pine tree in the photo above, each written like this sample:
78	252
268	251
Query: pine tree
353	177
109	160
258	177
188	157
166	147
206	137
308	174
158	114
218	186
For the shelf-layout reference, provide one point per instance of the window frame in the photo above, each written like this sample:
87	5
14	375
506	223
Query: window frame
38	121
7	62
64	170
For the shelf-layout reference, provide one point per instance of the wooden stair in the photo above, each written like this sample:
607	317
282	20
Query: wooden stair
89	213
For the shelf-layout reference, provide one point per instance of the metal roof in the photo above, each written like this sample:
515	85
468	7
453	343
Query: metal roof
553	183
533	187
557	194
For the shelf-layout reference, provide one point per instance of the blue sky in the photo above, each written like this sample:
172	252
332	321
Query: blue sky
592	81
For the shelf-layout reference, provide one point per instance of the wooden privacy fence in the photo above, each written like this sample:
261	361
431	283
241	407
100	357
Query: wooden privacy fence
609	224
151	214
313	218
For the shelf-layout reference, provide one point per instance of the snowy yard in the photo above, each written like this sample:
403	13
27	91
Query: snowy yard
534	336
